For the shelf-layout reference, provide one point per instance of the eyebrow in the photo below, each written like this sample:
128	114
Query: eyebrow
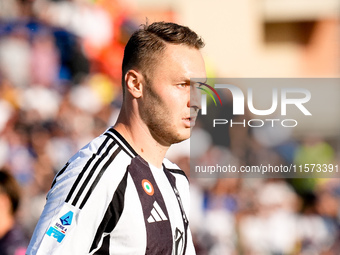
197	80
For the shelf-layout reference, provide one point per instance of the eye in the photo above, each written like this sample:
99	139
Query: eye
182	85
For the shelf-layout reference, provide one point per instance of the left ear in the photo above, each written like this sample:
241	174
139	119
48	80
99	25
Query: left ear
133	81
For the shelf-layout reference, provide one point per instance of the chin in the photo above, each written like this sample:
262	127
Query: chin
179	141
182	138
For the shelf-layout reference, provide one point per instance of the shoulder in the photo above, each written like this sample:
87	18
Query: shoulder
107	148
174	169
181	182
105	156
104	144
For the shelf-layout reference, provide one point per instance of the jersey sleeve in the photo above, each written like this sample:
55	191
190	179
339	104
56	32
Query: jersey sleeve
79	200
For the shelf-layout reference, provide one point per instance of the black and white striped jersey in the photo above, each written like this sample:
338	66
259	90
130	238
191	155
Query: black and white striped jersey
109	200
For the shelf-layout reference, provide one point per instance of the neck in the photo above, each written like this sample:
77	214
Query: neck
139	137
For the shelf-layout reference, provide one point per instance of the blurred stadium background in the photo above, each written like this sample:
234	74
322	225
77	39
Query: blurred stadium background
60	87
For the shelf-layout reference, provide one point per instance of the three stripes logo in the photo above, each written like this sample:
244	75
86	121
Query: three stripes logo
204	96
157	214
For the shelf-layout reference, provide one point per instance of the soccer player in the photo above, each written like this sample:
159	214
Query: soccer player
118	194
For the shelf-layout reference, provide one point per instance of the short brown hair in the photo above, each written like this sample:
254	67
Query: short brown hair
148	41
10	187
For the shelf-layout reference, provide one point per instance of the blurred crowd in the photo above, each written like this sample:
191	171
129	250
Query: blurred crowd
60	87
260	216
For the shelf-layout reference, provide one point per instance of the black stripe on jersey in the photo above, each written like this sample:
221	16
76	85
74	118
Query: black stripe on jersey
95	182
159	237
111	217
114	139
59	173
177	171
88	163
105	248
93	170
122	139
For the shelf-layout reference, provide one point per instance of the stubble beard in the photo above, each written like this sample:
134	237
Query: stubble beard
158	119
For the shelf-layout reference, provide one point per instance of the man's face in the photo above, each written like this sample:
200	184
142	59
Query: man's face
165	107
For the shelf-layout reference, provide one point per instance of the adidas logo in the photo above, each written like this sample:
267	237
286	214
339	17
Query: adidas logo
156	214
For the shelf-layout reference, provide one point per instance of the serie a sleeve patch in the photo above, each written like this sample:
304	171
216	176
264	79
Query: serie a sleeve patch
62	224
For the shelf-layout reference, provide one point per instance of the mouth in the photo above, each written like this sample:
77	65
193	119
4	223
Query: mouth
189	121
